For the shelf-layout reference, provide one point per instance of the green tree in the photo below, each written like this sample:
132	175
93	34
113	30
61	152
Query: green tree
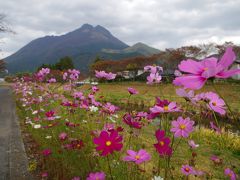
64	63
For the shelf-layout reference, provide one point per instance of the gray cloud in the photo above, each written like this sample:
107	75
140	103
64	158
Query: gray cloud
162	24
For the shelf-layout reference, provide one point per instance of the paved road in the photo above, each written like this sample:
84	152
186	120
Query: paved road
13	160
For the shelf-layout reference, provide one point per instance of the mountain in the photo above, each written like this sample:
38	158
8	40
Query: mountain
82	45
139	48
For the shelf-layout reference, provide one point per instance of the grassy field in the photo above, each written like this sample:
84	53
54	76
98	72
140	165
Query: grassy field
117	92
63	164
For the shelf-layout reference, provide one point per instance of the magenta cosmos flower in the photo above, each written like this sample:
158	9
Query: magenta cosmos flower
198	72
96	176
108	142
182	127
228	172
162	146
137	157
164	106
132	91
187	170
50	115
47	152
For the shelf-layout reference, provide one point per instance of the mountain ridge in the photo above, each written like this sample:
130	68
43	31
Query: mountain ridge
82	45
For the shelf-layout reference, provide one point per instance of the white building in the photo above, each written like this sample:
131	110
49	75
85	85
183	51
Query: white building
236	65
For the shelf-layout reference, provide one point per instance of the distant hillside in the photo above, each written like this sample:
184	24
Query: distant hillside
139	48
82	45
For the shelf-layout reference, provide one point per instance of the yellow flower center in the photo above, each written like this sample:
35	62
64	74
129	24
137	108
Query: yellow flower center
214	103
78	145
187	169
165	108
108	143
137	157
50	125
182	126
205	69
161	143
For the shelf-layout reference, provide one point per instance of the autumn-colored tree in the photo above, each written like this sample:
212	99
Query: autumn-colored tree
2	65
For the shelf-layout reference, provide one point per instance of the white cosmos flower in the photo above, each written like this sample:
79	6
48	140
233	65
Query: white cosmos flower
37	126
93	108
157	178
48	137
35	112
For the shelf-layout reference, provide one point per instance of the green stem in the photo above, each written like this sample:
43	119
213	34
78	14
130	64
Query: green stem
109	167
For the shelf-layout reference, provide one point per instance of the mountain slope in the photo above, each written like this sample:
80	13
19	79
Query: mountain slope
138	48
82	45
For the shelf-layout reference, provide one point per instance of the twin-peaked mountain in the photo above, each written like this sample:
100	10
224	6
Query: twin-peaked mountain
82	45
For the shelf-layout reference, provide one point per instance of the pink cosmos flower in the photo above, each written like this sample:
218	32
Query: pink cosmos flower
153	69
137	157
52	80
95	89
72	74
42	73
164	106
78	95
109	108
65	75
182	127
104	75
188	95
192	144
132	91
217	104
187	170
142	114
133	122
214	102
63	136
198	72
108	142
96	176
93	100
216	160
228	172
47	152
154	76
215	128
108	127
162	146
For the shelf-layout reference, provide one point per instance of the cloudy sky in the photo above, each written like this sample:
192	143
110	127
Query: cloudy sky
161	24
